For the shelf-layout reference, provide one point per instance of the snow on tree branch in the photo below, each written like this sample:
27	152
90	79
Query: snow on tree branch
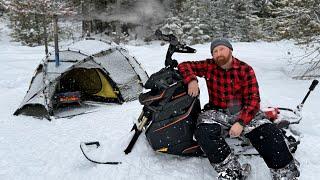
40	7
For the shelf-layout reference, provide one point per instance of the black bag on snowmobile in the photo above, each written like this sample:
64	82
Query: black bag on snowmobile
173	114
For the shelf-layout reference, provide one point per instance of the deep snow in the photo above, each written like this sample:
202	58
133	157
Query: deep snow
38	149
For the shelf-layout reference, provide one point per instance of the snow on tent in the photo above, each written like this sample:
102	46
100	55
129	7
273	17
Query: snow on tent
89	71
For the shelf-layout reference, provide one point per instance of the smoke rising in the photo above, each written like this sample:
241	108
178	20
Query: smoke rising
137	12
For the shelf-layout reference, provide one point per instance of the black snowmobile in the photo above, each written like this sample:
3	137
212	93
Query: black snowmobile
169	114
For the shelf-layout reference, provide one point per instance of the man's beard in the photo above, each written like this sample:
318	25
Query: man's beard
222	60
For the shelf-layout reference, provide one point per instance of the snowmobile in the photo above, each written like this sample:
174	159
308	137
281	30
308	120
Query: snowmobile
169	114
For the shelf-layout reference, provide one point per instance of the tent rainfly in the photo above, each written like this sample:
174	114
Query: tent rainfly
90	70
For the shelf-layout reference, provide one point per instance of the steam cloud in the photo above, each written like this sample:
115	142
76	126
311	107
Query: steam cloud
140	12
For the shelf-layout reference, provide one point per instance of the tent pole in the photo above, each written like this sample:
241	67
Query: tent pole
56	46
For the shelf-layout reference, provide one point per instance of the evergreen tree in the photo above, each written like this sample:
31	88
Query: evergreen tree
2	8
298	19
31	19
190	22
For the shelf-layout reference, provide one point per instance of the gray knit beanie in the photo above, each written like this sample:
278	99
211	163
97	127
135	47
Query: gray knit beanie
220	41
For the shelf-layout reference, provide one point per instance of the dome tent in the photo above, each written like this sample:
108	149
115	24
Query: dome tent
92	70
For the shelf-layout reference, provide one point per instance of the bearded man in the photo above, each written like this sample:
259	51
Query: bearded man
234	103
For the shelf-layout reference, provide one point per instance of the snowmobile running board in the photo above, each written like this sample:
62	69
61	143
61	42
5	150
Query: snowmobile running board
97	144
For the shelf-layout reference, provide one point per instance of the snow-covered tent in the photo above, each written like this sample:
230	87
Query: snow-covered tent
89	70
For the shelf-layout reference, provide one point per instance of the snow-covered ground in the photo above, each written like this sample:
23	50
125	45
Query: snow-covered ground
38	149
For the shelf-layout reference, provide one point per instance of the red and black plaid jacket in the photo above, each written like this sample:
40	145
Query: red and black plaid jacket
235	87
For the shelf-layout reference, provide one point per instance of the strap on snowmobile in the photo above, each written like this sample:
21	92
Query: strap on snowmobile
97	144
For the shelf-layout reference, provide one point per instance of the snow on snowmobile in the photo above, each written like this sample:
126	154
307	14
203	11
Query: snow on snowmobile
169	114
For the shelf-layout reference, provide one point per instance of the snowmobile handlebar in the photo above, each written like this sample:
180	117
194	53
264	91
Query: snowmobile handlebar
313	85
297	111
299	107
175	46
172	39
311	88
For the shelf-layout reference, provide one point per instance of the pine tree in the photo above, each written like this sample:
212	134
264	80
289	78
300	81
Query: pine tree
2	8
200	21
190	22
282	19
31	19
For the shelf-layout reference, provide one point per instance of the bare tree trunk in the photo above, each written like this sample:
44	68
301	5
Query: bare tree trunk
37	28
45	34
56	46
118	25
84	13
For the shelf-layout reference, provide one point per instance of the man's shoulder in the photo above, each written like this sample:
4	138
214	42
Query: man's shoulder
242	64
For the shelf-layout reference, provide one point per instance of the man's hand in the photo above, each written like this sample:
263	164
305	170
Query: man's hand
235	130
193	88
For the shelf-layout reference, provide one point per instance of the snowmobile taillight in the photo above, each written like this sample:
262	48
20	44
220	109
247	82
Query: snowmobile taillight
271	113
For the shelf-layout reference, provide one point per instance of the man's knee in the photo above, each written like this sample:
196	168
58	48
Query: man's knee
212	143
208	131
270	143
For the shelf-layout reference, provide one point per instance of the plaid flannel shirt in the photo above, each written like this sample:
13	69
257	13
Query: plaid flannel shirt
235	87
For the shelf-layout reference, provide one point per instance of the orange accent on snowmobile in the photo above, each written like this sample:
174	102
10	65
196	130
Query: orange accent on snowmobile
186	151
178	120
179	95
152	98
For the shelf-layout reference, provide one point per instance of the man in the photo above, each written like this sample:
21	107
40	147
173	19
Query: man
234	103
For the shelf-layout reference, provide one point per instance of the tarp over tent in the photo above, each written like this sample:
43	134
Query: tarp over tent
94	70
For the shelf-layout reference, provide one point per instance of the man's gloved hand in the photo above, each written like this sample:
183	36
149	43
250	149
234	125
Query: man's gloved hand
193	88
235	130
